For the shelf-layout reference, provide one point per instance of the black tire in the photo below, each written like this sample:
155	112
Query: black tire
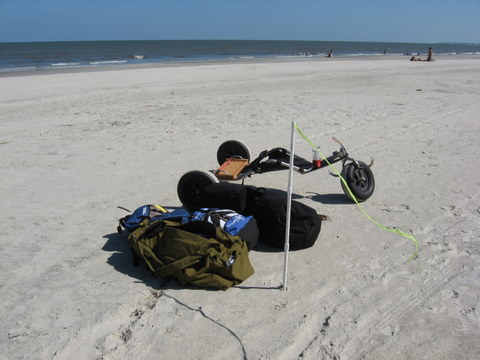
360	181
191	185
232	148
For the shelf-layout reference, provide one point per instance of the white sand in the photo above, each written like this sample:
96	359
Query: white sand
75	145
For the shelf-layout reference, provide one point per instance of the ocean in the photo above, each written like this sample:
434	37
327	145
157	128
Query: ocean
55	55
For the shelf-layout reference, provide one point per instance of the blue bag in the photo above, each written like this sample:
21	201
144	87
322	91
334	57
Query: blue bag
151	212
231	222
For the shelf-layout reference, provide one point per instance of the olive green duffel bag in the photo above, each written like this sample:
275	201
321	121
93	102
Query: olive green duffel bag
197	253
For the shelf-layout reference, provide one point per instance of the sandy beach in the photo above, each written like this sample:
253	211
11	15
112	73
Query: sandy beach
77	144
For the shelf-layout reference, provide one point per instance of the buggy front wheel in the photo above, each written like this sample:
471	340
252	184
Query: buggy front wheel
359	179
191	185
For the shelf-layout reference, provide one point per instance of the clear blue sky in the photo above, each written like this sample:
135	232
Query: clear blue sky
425	21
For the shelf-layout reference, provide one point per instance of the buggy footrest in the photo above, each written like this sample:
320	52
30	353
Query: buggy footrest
231	168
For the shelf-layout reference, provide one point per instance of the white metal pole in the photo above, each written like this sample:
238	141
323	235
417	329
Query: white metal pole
289	207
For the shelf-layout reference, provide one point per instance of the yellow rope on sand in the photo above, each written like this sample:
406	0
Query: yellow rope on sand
396	231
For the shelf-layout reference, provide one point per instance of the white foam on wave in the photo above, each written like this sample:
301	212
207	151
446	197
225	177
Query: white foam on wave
108	62
65	64
26	68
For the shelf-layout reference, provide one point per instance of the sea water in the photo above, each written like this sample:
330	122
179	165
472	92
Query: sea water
50	55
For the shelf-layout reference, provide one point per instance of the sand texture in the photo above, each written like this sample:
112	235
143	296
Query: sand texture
75	145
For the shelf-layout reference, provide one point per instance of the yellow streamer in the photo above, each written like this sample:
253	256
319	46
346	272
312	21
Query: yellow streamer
396	231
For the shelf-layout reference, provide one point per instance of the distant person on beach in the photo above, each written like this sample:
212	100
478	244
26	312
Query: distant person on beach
430	54
330	54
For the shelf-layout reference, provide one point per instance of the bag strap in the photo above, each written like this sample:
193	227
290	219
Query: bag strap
162	269
178	265
150	227
198	228
153	228
121	223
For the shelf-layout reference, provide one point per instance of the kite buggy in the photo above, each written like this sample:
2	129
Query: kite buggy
234	159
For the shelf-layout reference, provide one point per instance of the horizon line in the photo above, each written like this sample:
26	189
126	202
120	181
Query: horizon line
345	41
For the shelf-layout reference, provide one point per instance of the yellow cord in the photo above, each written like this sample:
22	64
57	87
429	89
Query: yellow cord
396	231
161	208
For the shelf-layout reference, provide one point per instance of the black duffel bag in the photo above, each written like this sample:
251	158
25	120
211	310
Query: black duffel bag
269	208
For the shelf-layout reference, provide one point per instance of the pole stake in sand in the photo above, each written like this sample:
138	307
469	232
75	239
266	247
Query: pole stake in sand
289	207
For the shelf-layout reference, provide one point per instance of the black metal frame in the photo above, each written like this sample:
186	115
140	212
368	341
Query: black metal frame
279	159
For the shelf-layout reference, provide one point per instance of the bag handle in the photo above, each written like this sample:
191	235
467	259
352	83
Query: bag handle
178	265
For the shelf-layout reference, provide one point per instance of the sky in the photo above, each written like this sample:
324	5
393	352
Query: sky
419	21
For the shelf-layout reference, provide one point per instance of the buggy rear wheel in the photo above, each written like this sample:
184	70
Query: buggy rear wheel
359	179
191	185
232	149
